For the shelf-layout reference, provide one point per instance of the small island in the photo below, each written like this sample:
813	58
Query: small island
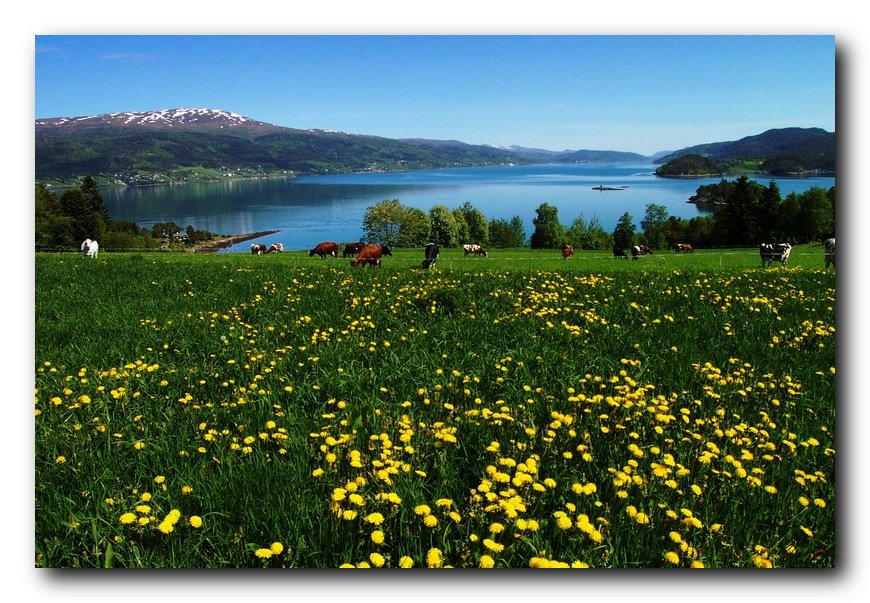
601	187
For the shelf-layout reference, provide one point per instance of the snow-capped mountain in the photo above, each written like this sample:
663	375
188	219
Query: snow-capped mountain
170	118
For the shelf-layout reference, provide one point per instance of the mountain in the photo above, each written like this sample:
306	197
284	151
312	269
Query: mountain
779	151
189	143
124	146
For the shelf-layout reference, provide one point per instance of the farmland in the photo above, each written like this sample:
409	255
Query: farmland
520	410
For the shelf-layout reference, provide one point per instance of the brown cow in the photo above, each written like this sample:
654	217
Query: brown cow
567	251
370	254
684	247
324	249
353	248
639	250
258	248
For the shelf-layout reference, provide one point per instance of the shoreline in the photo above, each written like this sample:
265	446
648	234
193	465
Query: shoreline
224	242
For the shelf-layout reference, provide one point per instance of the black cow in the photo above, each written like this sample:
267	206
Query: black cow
618	252
432	252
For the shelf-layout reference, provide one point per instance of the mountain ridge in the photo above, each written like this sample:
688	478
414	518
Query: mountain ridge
127	145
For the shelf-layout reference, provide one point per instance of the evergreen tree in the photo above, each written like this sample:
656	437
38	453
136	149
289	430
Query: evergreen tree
765	218
549	232
623	234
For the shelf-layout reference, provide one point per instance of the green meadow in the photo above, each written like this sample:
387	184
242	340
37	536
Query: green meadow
514	411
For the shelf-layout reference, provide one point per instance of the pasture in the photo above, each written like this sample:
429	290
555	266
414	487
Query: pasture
516	410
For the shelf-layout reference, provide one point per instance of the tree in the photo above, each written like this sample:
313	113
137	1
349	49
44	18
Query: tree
549	233
591	235
414	228
623	234
462	235
382	222
507	234
655	226
478	227
445	231
737	221
765	218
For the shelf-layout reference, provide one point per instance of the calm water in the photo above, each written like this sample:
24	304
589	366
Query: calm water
310	209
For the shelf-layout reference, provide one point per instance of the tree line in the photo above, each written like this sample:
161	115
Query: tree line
63	221
745	213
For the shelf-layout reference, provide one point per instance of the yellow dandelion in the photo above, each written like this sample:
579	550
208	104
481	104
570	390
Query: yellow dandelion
434	557
195	521
378	537
492	545
672	558
430	521
642	518
486	562
277	548
127	518
166	527
60	460
263	553
406	562
377	559
375	518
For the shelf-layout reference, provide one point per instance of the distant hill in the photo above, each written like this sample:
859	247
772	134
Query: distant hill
186	144
777	151
124	146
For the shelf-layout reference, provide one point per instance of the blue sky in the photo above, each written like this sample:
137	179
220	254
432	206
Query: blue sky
639	93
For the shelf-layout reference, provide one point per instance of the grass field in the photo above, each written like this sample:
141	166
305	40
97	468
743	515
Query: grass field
520	410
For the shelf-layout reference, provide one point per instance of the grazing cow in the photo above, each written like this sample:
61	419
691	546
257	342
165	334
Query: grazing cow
567	251
258	248
685	247
386	250
324	249
475	249
830	252
432	253
370	254
618	252
774	252
639	250
275	248
90	247
353	248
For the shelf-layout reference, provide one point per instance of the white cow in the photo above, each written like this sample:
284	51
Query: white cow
91	248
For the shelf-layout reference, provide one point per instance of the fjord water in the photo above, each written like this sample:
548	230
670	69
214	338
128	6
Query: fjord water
309	209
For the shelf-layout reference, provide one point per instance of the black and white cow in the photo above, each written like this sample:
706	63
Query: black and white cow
475	249
774	252
830	252
432	252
